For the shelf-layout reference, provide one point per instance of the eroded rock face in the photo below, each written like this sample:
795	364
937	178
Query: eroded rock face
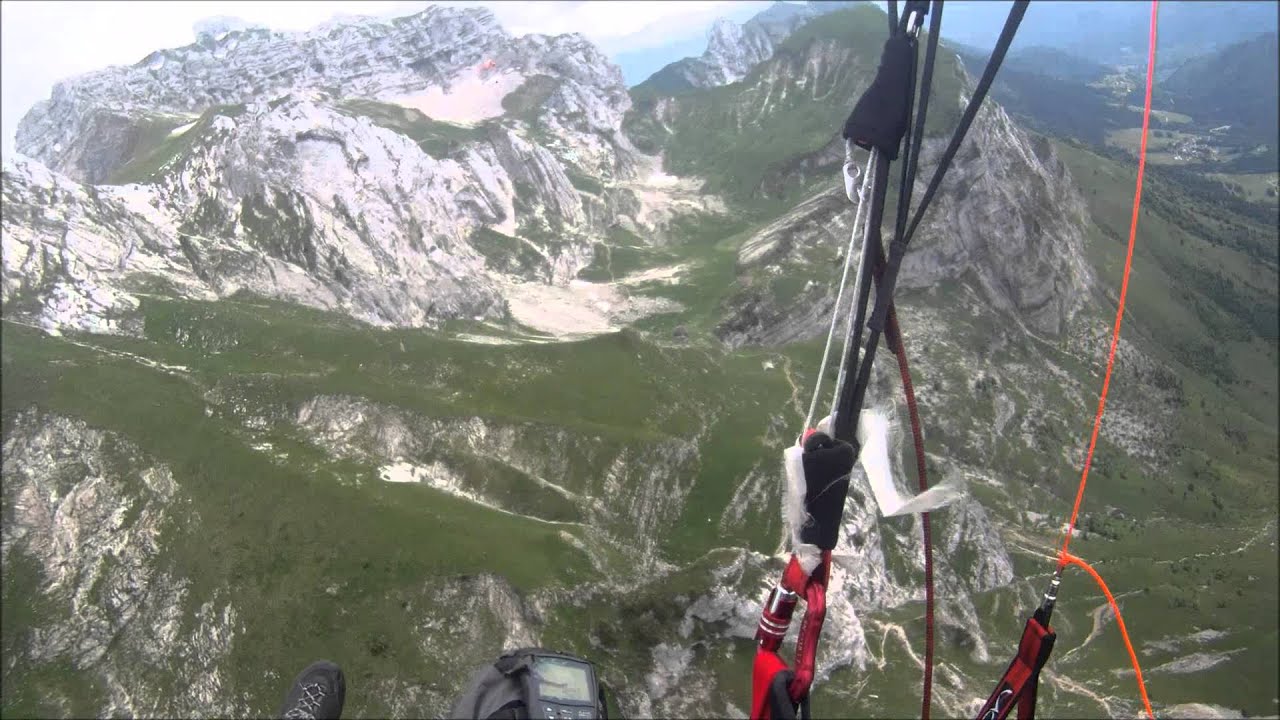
85	516
301	201
1009	212
84	128
637	490
482	605
1007	215
401	172
72	252
733	49
93	533
66	249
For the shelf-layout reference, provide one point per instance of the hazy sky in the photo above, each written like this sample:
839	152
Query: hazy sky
44	42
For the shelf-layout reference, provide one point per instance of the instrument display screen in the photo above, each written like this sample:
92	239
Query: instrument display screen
563	680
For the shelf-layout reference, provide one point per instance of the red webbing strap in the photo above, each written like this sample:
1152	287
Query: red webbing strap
767	665
771	678
794	578
815	613
1020	681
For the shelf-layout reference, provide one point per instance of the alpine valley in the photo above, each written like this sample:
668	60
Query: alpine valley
401	342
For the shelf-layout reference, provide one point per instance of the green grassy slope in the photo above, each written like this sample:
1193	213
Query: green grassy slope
265	531
1202	296
437	138
158	148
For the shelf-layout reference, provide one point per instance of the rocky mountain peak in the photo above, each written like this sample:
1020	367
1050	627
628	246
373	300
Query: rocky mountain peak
734	49
435	149
91	124
215	28
725	37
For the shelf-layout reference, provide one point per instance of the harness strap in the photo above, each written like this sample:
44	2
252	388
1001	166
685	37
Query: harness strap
770	680
1021	679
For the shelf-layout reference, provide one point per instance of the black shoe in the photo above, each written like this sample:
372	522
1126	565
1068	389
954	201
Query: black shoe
317	694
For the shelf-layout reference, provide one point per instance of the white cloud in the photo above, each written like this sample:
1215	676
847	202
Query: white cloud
44	42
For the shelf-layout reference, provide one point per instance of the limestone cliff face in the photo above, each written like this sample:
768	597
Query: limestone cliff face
1007	215
91	123
1010	213
401	172
87	515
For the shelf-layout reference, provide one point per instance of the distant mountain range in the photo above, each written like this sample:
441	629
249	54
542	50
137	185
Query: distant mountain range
1229	94
1055	93
1114	33
1237	85
1099	33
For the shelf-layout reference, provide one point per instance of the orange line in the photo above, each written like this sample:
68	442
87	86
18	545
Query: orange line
1124	286
1133	658
1064	557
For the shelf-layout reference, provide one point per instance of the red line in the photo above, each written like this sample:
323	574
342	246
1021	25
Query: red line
898	345
1124	288
1133	658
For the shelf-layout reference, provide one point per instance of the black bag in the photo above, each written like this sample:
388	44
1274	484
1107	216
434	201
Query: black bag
521	685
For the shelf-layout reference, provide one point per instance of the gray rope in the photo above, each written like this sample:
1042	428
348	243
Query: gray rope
850	180
857	288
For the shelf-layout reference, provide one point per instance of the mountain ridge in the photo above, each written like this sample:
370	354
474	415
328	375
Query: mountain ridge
519	175
1114	32
216	72
611	490
1195	88
733	50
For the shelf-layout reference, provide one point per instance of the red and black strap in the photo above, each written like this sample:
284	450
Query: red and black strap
1021	679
